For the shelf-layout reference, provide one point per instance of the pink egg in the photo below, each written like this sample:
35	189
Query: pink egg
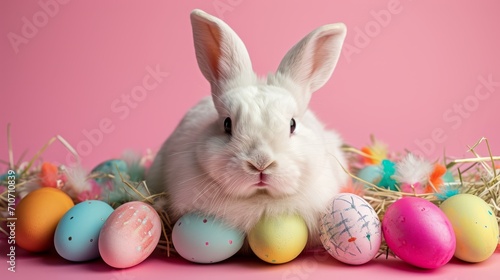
129	235
419	233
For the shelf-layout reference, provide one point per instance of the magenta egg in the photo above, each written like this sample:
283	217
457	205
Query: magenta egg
419	233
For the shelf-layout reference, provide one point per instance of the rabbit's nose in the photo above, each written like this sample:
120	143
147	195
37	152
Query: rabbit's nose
260	166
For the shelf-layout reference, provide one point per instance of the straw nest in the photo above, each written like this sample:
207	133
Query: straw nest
476	175
27	179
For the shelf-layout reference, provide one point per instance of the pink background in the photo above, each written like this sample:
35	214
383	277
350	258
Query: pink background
400	78
311	265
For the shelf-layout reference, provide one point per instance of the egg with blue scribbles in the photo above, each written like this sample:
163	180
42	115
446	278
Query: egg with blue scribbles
350	229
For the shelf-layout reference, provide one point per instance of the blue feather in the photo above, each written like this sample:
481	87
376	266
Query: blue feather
389	169
447	191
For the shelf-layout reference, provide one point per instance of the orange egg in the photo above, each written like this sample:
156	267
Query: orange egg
37	216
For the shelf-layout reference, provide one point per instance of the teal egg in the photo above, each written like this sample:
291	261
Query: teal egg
113	166
114	190
77	233
204	239
371	173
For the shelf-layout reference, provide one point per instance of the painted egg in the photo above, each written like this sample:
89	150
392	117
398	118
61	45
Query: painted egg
77	234
371	174
130	234
204	239
475	226
38	214
113	166
278	240
419	233
350	229
114	190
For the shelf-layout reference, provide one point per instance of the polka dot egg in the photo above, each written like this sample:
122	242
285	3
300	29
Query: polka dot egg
130	234
204	239
78	231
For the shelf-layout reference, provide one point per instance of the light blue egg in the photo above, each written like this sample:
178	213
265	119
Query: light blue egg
371	173
204	239
77	233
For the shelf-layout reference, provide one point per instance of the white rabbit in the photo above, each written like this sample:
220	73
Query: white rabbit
253	148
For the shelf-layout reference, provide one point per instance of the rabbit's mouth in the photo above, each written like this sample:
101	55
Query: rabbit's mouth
244	184
263	180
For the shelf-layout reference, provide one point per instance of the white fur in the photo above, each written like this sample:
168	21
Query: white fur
203	169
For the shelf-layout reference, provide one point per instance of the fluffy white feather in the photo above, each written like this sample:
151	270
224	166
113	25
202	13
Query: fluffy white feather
77	181
413	169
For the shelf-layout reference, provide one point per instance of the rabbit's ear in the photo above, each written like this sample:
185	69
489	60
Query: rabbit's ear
220	53
311	61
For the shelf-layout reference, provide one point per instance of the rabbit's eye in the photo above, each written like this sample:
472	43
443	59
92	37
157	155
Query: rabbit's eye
227	125
293	125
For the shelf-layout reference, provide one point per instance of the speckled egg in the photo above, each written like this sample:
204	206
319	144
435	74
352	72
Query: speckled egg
418	232
278	239
350	229
114	191
475	226
204	239
77	234
130	234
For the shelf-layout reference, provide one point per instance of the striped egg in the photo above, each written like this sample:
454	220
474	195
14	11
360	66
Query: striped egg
129	235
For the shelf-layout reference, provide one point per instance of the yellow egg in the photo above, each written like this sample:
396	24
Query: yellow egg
279	239
37	216
475	226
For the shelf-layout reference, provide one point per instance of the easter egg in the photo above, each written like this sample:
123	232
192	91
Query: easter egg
475	226
113	166
130	234
278	240
38	214
114	189
204	239
350	229
77	234
371	174
418	232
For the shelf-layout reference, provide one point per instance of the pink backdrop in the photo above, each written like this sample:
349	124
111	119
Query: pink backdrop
419	75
